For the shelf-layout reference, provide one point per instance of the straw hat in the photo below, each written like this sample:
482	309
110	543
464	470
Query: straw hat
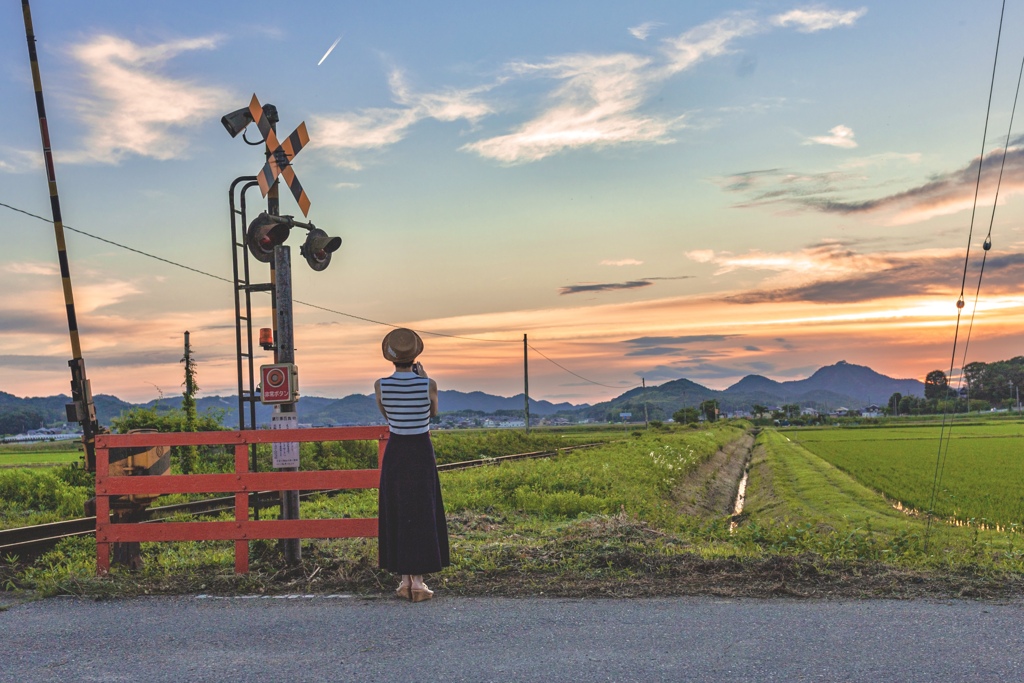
401	345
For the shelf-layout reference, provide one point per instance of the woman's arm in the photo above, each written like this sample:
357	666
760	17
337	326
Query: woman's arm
433	398
380	403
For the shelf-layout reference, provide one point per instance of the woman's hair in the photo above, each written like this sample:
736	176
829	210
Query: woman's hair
399	366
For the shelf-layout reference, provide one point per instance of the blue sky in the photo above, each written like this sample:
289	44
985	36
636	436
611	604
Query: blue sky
652	190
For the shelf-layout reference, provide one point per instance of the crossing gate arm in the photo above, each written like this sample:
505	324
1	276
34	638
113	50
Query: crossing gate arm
241	483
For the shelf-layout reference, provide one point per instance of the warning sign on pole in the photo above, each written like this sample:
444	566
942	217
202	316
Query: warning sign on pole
279	383
285	454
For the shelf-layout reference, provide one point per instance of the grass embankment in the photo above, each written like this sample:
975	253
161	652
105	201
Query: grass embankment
980	466
606	521
826	512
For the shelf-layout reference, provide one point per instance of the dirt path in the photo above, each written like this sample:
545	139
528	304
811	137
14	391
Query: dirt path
710	490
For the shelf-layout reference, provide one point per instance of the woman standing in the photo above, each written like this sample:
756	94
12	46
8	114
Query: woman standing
412	535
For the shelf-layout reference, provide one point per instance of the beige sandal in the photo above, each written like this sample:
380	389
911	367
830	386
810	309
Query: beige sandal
420	594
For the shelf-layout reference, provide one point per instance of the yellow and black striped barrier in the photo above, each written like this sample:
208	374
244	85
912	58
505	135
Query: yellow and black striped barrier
82	409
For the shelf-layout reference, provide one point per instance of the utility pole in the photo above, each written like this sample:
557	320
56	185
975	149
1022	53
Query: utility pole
643	383
526	385
190	454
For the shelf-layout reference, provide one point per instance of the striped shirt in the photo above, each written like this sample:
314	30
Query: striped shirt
406	399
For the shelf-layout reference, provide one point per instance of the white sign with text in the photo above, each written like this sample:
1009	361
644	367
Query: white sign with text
285	454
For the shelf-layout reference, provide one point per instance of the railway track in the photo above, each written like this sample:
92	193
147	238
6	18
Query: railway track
31	541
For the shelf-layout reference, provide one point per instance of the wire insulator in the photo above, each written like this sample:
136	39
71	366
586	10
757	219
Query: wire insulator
988	244
960	302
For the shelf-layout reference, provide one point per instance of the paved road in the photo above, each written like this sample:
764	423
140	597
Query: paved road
323	638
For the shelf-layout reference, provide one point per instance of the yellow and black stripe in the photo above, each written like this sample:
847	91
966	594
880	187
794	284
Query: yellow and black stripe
280	156
79	383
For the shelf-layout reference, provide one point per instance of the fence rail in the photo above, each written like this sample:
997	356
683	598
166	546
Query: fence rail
241	483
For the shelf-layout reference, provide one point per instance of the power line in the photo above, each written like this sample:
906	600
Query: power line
575	374
224	279
941	455
121	246
317	306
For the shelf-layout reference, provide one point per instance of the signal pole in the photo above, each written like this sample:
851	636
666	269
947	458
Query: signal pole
264	240
284	335
286	354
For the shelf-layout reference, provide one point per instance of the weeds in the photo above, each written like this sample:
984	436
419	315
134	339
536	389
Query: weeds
599	522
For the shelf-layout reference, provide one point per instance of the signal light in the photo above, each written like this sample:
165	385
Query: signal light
266	338
318	248
236	121
265	233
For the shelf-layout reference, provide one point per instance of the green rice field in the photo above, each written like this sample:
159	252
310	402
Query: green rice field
32	455
981	466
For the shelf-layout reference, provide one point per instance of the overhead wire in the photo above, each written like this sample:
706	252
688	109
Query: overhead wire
540	353
944	437
121	246
312	305
224	279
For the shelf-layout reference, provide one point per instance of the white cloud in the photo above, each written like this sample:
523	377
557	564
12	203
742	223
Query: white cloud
622	262
701	255
369	129
595	106
707	40
830	260
642	31
596	100
882	159
839	136
817	19
92	297
448	105
37	268
22	160
131	108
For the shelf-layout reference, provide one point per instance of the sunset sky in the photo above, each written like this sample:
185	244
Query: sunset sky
647	190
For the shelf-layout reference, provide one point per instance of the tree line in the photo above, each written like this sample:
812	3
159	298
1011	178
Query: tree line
983	386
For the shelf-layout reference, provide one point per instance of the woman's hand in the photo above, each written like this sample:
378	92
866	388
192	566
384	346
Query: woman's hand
417	367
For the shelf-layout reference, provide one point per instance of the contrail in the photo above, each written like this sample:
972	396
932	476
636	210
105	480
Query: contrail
333	45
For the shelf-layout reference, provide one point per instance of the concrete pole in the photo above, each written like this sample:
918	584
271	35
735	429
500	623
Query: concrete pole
526	385
286	354
643	383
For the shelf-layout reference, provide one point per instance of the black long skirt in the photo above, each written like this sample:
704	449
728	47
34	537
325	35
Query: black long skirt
412	534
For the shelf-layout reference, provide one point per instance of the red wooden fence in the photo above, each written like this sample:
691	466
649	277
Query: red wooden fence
242	482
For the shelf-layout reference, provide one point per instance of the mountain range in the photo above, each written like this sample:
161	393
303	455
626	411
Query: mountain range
840	385
843	385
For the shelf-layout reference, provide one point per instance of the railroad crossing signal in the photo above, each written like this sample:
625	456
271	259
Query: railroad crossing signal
265	233
281	155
